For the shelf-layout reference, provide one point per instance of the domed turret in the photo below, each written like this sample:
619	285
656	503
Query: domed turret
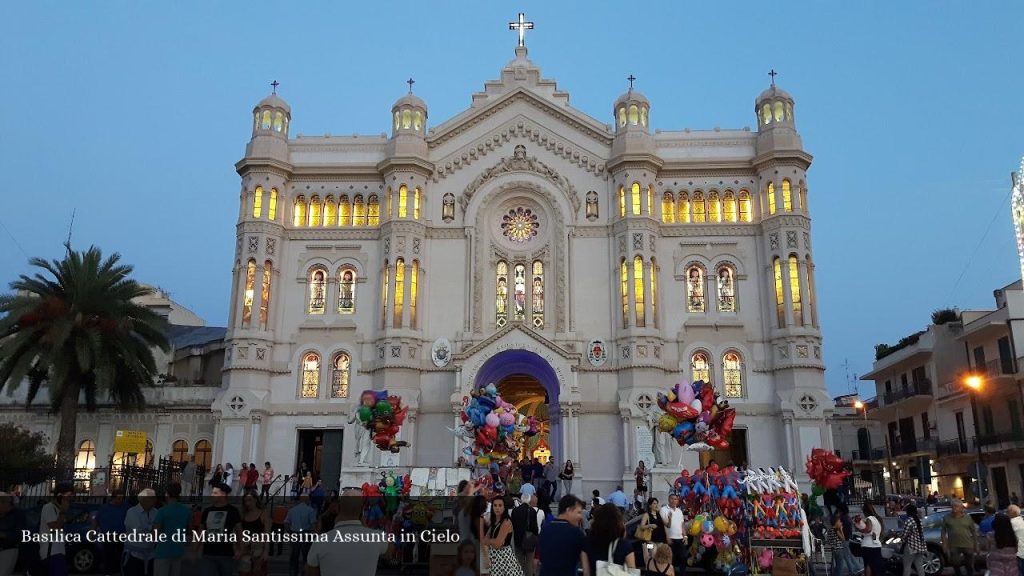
410	114
631	110
272	115
776	126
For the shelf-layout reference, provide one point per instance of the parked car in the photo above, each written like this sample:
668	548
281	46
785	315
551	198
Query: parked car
935	558
81	556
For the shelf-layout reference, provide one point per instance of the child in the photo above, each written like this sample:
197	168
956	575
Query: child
466	560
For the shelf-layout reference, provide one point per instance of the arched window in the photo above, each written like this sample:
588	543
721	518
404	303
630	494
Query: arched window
771	198
406	118
86	457
257	202
396	321
299	218
650	200
780	296
414	274
417	120
384	295
311	375
622	201
315	212
340	375
700	367
794	290
250	292
204	454
358	211
622	116
695	289
654	293
416	204
780	114
745	214
787	196
726	289
802	197
501	294
810	291
265	124
519	294
698	207
278	122
714	208
179	452
732	374
624	287
272	209
147	459
729	207
668	208
643	116
373	211
634	115
638	291
398	119
403	201
268	266
120	459
344	211
683	208
317	291
635	198
330	212
346	291
388	200
538	294
766	113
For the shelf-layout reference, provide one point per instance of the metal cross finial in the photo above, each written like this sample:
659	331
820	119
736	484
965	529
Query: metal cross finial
410	82
631	79
274	85
522	26
773	74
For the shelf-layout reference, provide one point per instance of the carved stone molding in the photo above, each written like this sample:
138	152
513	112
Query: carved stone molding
520	163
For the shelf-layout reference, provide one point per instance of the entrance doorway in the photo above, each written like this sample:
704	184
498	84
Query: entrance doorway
527	394
734	455
320	452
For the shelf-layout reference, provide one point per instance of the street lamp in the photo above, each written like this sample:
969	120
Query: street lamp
975	383
871	463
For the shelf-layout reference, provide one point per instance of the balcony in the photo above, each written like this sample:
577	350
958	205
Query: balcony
909	446
956	447
996	368
1008	440
876	454
920	388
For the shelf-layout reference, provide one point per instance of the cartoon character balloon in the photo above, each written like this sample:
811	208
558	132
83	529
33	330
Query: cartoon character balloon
826	469
696	416
383	416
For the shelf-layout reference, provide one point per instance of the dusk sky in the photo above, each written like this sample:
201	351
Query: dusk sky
134	113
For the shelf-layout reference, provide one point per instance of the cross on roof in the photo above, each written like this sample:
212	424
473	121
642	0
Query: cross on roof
274	85
521	26
773	74
410	82
631	79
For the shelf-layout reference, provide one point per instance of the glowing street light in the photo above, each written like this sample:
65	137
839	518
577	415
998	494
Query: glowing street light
974	382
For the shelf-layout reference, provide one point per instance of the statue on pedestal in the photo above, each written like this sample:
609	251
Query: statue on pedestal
657	438
362	440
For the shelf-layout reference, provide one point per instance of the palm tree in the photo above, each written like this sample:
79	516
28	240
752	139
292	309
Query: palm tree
74	325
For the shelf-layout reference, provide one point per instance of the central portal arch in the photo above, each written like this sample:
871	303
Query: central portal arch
518	372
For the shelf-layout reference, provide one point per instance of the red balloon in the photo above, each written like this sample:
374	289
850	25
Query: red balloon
723	421
681	411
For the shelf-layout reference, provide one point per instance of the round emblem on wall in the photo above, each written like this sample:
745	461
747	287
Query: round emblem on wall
597	352
441	352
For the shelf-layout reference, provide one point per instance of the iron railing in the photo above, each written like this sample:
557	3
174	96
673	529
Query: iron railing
918	388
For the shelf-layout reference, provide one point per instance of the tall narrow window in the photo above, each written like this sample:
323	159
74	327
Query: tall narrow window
414	274
698	208
700	367
265	123
384	295
622	201
347	291
683	208
317	291
638	291
537	308
399	292
340	375
373	211
311	375
650	200
388	200
257	202
787	196
810	292
501	295
519	305
330	212
729	207
794	290
86	457
732	373
745	213
668	208
726	289
179	451
780	296
204	454
624	287
695	289
416	204
403	201
358	211
802	198
635	198
771	198
268	266
272	209
714	208
299	217
654	293
344	211
315	212
250	292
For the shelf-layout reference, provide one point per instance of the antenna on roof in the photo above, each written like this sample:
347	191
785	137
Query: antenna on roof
71	227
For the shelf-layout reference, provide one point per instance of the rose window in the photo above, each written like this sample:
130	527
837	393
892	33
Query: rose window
519	225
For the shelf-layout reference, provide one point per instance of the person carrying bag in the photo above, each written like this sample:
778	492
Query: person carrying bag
609	568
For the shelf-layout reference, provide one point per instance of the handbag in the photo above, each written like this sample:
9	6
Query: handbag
609	568
645	532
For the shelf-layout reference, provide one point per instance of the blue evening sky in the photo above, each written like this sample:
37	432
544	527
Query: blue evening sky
134	113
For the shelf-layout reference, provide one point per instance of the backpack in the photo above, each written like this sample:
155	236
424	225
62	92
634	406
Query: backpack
524	527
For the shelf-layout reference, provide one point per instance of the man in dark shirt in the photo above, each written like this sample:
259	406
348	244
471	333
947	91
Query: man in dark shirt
12	522
562	544
219	522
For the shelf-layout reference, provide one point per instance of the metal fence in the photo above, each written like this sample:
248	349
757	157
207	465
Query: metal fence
116	478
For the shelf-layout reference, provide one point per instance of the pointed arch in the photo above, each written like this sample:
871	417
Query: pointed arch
638	291
384	290
257	202
650	200
299	211
732	374
340	375
654	292
315	212
668	208
683	208
309	376
802	197
537	289
810	291
346	290
388	201
519	292
729	206
416	203
746	215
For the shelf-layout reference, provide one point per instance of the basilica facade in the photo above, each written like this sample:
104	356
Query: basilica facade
580	266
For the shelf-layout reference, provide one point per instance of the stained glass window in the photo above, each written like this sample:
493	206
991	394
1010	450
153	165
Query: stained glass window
726	289
700	367
624	286
403	201
414	272
268	266
766	113
278	122
315	212
635	198
347	291
519	305
257	202
683	208
416	204
358	211
272	209
650	200
204	454
265	124
787	196
745	215
794	290
299	218
179	451
311	375
668	208
340	375
732	373
654	293
399	292
501	295
780	296
802	198
519	225
771	198
695	289
86	457
373	211
729	207
638	291
344	211
622	201
388	200
250	292
384	295
330	212
698	207
714	208
537	309
317	291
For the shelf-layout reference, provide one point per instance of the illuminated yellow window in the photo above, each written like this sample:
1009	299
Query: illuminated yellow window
344	211
317	291
268	267
700	367
668	208
732	373
780	296
537	289
766	113
787	196
413	292
501	294
729	207
398	119
794	290
315	212
622	201
745	213
330	212
810	292
714	208
519	292
257	202
635	195
406	119
403	199
622	116
417	120
780	114
399	292
650	200
695	280
250	292
299	218
373	211
683	208
388	208
624	286
638	290
358	211
654	293
265	124
310	375
278	122
384	295
771	198
86	457
340	375
698	207
726	289
272	209
346	291
634	115
416	204
802	198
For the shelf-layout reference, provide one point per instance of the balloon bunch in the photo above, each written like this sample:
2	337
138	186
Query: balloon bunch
493	428
713	498
389	488
696	416
775	504
383	416
826	469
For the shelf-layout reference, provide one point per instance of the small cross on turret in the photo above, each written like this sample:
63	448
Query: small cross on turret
274	86
773	74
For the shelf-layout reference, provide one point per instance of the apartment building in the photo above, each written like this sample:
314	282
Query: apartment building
858	440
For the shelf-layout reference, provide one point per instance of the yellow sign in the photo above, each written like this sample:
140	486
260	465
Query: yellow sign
130	442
